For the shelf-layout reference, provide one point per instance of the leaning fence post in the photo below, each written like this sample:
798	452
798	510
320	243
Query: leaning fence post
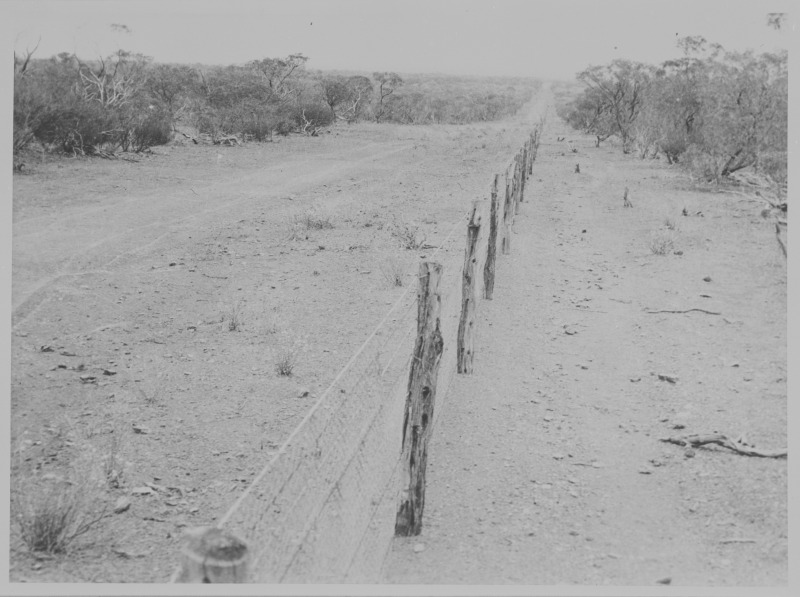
420	400
211	555
491	249
465	344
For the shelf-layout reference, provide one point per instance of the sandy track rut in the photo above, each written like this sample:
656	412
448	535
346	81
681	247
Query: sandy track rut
93	240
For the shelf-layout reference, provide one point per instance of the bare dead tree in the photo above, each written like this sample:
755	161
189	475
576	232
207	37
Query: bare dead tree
21	64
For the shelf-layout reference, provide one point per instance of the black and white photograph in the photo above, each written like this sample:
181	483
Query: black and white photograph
397	297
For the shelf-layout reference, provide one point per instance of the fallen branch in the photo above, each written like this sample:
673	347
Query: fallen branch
195	141
737	446
227	140
737	540
684	311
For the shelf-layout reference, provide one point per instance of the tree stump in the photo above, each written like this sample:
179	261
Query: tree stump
211	555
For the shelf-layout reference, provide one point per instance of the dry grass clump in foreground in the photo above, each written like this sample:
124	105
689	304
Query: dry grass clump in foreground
50	511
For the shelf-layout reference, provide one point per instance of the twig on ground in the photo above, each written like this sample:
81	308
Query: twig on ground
736	540
684	311
695	441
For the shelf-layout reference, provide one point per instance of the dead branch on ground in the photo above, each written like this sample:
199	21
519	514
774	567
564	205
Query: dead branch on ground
683	311
738	446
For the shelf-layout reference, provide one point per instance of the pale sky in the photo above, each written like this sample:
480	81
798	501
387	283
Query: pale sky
540	38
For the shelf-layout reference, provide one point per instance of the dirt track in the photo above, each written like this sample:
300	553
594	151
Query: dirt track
139	268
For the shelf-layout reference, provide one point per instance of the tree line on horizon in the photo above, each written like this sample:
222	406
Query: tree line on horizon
128	102
712	110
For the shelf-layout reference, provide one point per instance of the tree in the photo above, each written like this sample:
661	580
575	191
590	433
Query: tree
335	91
113	81
359	95
388	83
171	86
622	86
744	112
275	74
591	113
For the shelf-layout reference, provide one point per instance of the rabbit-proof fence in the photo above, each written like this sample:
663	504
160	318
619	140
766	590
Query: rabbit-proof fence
323	508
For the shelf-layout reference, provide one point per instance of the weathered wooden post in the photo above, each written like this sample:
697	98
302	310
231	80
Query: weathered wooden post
507	216
530	155
465	343
523	172
211	555
518	182
420	400
491	249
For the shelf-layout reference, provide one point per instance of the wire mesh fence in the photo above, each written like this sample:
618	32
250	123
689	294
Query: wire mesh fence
323	508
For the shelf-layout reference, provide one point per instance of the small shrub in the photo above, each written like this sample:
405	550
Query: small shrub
408	235
393	271
314	220
154	130
300	224
662	242
287	353
670	224
234	317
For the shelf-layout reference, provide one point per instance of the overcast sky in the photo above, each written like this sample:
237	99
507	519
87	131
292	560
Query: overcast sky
552	39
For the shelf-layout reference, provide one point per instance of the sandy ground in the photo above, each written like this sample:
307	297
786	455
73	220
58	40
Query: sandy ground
141	270
545	466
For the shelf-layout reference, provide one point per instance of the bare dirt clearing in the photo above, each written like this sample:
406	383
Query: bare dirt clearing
152	300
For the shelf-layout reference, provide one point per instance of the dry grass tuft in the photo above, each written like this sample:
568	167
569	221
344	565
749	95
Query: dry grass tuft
662	242
234	317
409	235
286	352
393	271
670	223
50	511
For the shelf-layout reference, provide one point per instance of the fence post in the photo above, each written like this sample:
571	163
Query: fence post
211	555
491	249
523	172
518	181
533	152
420	400
465	345
507	207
